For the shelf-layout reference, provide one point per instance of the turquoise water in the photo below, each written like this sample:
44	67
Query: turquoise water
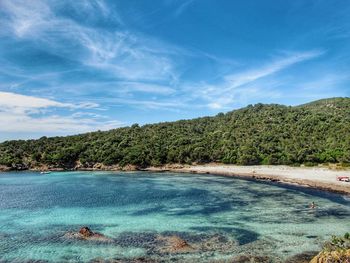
220	217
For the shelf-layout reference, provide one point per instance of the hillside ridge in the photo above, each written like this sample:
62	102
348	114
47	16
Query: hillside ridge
312	133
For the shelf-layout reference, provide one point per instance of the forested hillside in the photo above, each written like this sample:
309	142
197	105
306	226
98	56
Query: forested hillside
318	132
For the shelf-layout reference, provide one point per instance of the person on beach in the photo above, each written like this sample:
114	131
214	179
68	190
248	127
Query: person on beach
313	205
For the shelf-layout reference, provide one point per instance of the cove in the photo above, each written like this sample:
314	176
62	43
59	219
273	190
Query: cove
221	218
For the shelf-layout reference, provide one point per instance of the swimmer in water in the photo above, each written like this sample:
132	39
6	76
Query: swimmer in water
313	205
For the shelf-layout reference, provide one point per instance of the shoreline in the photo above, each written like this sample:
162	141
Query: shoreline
316	178
320	178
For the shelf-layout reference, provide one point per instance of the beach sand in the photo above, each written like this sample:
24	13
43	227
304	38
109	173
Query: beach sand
315	177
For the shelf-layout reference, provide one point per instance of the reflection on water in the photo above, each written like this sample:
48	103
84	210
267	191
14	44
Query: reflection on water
222	219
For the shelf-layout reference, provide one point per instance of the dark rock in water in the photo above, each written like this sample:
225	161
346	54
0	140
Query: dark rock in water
311	236
35	261
243	236
25	261
85	233
172	242
251	259
241	259
134	260
156	244
304	257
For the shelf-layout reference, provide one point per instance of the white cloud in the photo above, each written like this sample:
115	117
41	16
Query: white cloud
22	103
16	122
13	100
22	113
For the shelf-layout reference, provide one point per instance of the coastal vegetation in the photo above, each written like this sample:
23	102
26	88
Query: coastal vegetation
336	250
313	133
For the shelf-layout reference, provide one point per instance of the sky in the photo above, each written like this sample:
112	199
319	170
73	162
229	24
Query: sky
69	67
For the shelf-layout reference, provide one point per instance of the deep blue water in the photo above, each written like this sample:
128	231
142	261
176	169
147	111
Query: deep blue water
220	217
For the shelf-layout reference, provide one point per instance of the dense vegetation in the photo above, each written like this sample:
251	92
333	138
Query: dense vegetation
318	132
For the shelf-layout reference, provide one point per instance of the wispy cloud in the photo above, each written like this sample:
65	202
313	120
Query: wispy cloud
182	7
169	104
36	18
121	53
232	86
242	78
145	87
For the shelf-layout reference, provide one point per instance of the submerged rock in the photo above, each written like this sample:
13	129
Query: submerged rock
133	260
251	259
301	258
85	233
217	242
174	244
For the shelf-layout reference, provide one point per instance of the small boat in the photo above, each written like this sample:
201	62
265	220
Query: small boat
44	172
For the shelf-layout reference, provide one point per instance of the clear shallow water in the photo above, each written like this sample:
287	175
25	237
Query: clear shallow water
220	217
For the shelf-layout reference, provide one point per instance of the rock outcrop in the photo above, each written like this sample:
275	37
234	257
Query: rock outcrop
4	168
125	260
85	233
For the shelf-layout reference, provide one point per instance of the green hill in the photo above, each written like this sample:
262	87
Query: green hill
317	132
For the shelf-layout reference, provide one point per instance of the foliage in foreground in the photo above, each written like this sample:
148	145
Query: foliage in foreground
338	243
318	132
335	251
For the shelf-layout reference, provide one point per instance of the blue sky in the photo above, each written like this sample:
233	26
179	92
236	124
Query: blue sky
69	67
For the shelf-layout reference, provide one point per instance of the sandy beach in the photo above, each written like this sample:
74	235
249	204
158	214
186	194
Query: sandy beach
315	177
